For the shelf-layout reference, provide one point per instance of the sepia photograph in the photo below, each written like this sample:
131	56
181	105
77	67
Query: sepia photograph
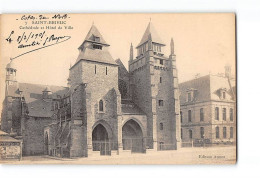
155	88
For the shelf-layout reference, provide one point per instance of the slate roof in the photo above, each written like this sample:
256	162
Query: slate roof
122	71
97	55
91	54
128	107
94	32
150	30
11	65
206	88
32	93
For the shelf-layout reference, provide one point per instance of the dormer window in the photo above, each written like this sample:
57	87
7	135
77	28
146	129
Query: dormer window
96	39
190	95
222	93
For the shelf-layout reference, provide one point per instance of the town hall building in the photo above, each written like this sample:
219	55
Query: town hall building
105	109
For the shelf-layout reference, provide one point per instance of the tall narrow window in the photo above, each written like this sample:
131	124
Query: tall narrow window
101	106
224	95
189	96
189	115
160	102
181	116
231	114
224	114
224	132
217	132
201	114
231	132
181	134
202	132
106	70
190	134
95	69
160	79
161	126
216	113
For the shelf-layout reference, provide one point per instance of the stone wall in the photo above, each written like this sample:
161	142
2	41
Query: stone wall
33	135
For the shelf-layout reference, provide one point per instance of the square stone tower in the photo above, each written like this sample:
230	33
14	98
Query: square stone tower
154	88
100	102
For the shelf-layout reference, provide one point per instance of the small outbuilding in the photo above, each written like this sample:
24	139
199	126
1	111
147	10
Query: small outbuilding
10	148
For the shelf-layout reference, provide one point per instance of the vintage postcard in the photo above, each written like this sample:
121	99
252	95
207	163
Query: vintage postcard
118	88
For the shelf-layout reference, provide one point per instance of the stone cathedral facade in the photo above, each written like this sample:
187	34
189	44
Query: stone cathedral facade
105	109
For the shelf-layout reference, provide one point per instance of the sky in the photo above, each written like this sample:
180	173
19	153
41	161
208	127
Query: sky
204	43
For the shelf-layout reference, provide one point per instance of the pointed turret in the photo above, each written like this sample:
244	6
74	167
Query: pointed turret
131	52
94	48
150	32
172	47
94	36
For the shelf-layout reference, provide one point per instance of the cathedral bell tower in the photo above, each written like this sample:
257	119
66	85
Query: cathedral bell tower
154	80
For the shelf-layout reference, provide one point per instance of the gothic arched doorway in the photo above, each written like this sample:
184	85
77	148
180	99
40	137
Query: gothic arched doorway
132	137
100	140
46	142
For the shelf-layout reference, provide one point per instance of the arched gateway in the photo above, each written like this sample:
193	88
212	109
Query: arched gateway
100	140
133	137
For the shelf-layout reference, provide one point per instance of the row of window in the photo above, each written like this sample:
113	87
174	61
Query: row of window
155	47
202	133
231	132
96	70
224	114
10	71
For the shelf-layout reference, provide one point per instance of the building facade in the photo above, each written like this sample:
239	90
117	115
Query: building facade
104	109
208	115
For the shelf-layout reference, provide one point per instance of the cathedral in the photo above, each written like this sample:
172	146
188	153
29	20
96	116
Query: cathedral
105	108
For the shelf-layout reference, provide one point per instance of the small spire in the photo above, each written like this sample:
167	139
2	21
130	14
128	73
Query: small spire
172	47
131	52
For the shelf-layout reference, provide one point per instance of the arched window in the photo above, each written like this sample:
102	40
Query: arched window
231	132
224	132
189	115
224	114
216	113
201	114
202	132
190	134
217	132
231	114
101	105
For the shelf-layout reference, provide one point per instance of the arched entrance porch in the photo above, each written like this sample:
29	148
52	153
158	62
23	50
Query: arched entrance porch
100	140
132	137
